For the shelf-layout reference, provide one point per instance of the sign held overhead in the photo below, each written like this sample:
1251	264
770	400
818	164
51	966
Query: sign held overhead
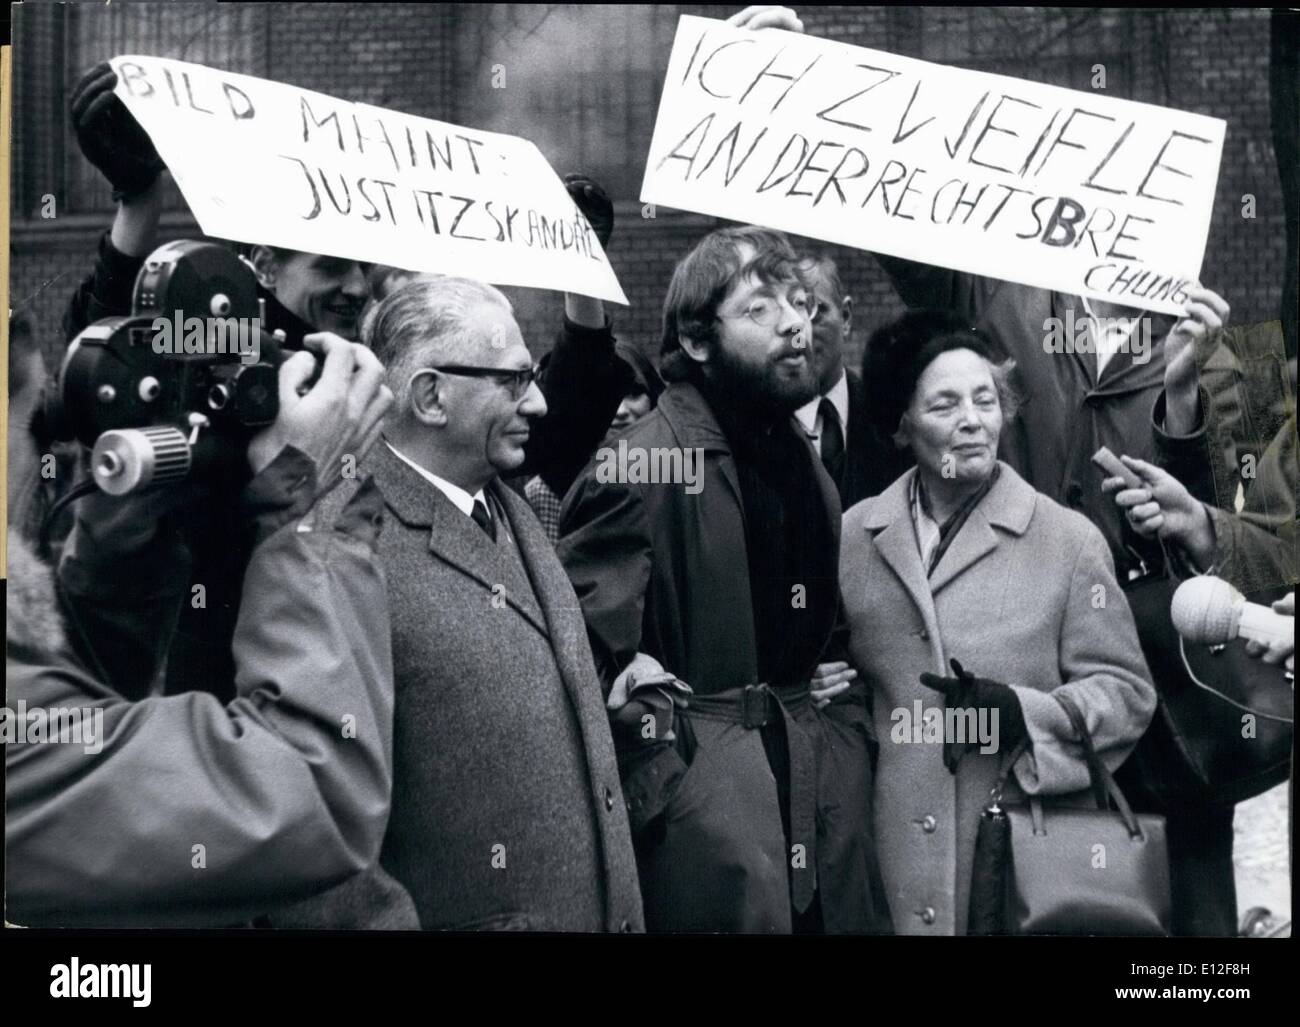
261	161
982	173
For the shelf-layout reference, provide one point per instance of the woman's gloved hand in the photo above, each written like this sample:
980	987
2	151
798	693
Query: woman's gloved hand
965	691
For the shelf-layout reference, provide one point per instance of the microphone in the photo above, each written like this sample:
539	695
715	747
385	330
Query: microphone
1210	611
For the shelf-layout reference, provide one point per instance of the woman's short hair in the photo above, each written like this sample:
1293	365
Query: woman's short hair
702	280
898	354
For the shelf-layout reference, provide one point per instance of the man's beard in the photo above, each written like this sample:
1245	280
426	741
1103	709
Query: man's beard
762	387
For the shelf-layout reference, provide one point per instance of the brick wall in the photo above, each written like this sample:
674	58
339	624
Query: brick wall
406	56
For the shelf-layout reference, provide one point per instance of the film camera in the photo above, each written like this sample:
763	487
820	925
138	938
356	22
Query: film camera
168	391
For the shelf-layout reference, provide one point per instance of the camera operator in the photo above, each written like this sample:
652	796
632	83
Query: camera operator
305	292
177	810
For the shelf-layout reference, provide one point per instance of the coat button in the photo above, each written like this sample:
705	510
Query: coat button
922	634
927	915
609	799
1074	494
928	824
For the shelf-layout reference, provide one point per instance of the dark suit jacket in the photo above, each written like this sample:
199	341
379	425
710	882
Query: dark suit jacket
871	460
507	810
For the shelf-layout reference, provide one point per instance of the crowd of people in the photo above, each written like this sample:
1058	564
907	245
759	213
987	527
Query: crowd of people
478	685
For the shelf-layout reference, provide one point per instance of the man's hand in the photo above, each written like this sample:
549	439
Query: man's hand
766	16
1163	507
645	690
830	680
1204	313
1277	652
109	135
341	415
594	204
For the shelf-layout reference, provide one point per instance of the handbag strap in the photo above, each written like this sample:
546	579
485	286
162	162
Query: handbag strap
1103	782
1018	750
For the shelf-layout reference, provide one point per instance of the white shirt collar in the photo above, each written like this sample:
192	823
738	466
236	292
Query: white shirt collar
809	414
1113	340
462	500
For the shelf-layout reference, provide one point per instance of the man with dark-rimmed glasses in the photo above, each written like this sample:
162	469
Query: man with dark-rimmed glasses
506	807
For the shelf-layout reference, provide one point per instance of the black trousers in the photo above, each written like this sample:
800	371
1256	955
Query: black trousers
1202	882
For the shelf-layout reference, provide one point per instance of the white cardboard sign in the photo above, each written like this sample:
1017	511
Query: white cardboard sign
261	161
1056	188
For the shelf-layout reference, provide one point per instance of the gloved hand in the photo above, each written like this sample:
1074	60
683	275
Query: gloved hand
645	690
965	691
594	204
109	135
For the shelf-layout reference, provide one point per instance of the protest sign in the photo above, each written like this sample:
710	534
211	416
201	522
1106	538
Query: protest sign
1056	188
261	161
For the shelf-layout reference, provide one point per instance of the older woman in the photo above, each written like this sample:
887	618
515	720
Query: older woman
961	560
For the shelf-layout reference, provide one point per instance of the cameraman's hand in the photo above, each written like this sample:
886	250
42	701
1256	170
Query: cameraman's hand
342	414
109	135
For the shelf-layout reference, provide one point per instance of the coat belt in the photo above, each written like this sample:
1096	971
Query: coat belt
756	706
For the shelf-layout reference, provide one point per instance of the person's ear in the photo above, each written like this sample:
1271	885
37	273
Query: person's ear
846	314
428	396
696	349
903	433
265	266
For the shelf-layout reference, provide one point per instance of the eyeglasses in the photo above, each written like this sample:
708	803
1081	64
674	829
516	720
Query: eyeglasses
765	311
518	382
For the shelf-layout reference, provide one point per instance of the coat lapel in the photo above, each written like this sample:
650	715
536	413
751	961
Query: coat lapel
453	537
889	520
1009	505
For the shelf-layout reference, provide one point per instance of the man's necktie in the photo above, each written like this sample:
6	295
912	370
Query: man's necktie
484	519
832	442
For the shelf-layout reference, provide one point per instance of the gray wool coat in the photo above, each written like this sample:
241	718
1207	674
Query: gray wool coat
1026	595
507	811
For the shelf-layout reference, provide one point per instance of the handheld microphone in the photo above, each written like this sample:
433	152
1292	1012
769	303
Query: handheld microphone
1210	611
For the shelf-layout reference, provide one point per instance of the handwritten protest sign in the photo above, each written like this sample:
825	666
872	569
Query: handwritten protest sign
1052	187
261	161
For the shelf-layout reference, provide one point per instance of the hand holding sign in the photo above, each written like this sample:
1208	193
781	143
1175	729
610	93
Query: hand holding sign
110	137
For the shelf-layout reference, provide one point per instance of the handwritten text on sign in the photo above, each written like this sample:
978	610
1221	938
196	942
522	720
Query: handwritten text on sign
260	161
983	173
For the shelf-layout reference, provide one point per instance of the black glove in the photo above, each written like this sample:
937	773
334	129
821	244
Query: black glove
965	691
109	135
593	203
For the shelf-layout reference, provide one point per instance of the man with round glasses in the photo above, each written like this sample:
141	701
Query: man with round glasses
739	798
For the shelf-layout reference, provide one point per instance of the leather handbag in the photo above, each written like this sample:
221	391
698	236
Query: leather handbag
1048	868
1223	726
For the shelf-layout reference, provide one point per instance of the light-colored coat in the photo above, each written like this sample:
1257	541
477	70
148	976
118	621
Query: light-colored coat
1025	595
